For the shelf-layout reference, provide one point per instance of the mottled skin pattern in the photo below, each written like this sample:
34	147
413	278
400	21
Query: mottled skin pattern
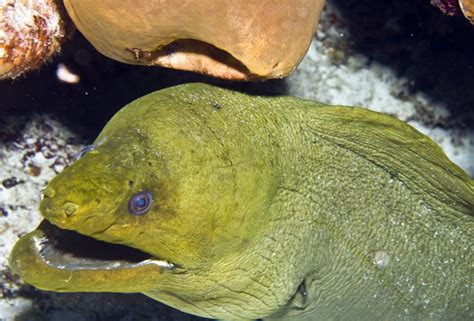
260	198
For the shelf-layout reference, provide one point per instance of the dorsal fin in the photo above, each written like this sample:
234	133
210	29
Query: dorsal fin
410	156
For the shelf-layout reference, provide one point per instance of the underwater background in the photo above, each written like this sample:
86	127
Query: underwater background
402	58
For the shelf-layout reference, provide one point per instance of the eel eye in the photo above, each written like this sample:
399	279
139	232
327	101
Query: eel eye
84	150
140	203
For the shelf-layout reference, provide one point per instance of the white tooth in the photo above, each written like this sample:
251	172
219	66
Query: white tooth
160	263
38	244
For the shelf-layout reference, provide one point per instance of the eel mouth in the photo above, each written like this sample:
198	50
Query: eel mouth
54	259
69	250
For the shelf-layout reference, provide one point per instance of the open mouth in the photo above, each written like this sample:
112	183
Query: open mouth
68	250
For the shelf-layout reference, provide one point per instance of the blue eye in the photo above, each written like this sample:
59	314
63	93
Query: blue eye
84	150
140	203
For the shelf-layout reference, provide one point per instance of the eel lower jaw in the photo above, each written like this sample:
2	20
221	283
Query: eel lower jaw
51	258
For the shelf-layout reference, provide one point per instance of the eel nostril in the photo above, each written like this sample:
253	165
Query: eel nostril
48	192
69	208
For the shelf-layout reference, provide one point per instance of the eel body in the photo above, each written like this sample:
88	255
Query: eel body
260	207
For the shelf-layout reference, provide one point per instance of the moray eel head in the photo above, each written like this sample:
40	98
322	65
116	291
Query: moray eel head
153	206
107	219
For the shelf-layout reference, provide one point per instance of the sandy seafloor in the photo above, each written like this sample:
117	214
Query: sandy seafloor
407	60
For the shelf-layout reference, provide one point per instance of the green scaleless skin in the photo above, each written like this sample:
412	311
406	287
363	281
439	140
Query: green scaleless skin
267	207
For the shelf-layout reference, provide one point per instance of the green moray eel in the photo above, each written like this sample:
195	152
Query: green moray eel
233	206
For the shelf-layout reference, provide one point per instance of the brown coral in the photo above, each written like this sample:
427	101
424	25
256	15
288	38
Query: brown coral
240	39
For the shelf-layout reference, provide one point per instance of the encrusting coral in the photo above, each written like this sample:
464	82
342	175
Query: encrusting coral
31	32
